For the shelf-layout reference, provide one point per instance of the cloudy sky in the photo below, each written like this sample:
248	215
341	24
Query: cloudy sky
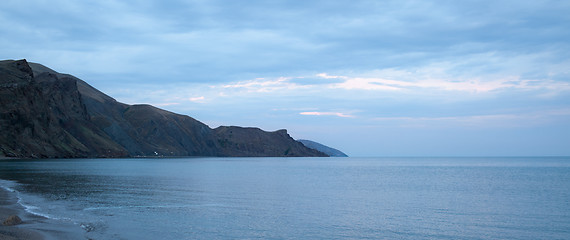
371	78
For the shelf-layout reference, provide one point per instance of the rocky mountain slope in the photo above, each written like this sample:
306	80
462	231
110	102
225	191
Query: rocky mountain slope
322	148
46	114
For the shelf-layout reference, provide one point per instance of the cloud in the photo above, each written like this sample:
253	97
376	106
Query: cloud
263	85
428	86
227	42
434	79
165	104
338	114
422	80
197	99
523	119
363	83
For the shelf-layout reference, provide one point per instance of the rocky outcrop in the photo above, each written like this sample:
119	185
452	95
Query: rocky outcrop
46	114
12	220
239	141
42	116
322	148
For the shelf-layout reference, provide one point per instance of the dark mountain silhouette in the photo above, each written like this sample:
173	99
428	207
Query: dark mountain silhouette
46	114
238	141
322	148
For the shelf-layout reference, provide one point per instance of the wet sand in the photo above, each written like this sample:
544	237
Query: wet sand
33	227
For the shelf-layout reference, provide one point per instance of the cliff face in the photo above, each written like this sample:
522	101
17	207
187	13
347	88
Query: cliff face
46	114
238	141
42	116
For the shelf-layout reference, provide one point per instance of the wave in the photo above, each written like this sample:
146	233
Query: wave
152	206
34	210
7	185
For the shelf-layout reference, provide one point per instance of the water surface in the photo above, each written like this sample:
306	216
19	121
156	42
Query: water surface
300	198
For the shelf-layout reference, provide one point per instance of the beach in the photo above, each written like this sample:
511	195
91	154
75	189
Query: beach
33	227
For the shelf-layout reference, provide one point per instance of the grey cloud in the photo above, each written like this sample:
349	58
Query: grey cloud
236	40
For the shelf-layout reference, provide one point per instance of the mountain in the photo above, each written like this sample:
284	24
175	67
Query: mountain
238	141
46	114
322	148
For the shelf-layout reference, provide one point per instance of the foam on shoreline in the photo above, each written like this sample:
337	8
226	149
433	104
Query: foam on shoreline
35	225
6	185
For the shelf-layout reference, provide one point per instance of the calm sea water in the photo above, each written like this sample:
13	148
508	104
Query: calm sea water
300	198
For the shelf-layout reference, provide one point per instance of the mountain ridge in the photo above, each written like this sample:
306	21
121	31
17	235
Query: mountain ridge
332	152
47	114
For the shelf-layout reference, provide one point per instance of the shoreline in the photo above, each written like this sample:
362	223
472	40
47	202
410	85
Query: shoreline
33	227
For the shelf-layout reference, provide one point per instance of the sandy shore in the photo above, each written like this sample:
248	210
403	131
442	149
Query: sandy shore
33	227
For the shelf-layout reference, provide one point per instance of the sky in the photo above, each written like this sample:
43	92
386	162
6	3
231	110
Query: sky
370	78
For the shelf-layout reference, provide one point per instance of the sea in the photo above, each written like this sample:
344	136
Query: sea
299	198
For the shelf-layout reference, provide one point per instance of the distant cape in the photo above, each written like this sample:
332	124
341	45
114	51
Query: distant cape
322	148
46	114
